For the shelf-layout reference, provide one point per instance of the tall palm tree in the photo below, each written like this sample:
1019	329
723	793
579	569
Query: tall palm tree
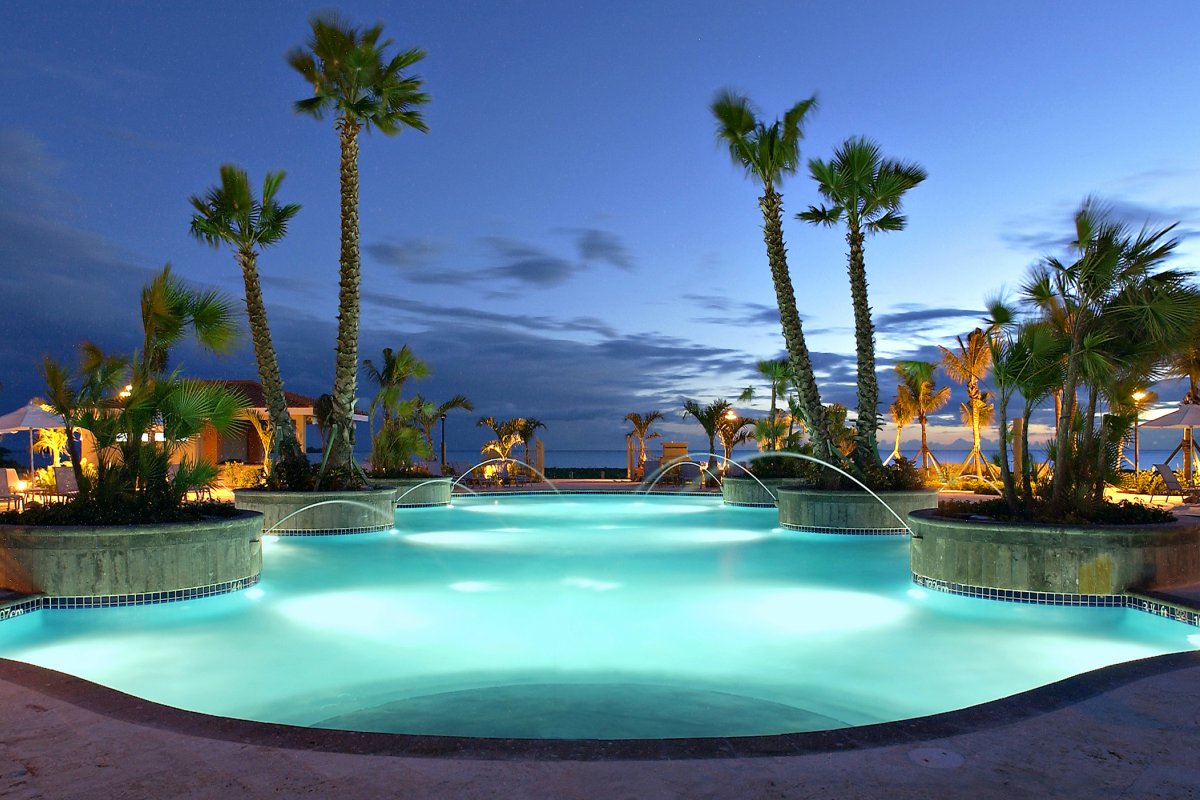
920	390
969	365
641	427
351	77
769	153
865	189
230	213
778	373
709	417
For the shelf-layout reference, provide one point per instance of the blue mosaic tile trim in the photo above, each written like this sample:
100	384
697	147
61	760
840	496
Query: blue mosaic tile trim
21	608
847	531
421	505
1149	605
148	598
563	492
117	600
749	505
331	531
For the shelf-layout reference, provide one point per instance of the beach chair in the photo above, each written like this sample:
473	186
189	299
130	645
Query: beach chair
9	495
65	486
1172	483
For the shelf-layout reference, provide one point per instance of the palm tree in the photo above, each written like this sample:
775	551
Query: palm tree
231	213
390	376
1111	289
919	389
709	417
508	436
902	413
778	373
769	153
733	430
866	190
351	77
169	310
527	430
968	366
428	414
641	427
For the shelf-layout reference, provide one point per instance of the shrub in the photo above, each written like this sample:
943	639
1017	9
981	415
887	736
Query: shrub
236	475
1106	513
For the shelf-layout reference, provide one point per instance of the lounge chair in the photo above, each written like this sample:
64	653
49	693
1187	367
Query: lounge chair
65	486
9	495
1172	483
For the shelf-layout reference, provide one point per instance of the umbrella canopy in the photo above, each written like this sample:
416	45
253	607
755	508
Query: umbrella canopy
30	417
1186	416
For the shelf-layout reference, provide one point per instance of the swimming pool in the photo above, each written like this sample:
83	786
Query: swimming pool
585	617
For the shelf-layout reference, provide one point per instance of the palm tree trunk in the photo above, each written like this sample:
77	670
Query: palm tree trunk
793	331
867	452
1010	491
1062	462
285	446
345	377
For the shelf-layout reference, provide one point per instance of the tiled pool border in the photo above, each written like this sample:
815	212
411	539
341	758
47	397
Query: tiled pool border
846	531
1134	600
330	531
40	602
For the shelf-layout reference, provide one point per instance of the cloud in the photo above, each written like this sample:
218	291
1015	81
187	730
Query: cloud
508	264
605	246
736	313
913	317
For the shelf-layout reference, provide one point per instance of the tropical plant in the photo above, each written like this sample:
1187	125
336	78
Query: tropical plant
53	441
231	213
508	437
709	417
390	376
1119	315
428	415
771	433
768	154
733	430
969	365
919	390
139	431
527	428
865	190
352	78
902	413
641	431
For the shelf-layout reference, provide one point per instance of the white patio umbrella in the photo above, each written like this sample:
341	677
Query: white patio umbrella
30	417
1186	416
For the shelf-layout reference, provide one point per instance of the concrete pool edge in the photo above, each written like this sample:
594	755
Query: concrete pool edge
1027	705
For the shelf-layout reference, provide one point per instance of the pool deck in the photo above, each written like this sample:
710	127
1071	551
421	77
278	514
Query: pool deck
1128	731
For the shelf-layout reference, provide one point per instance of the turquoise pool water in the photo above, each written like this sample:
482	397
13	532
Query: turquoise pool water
585	617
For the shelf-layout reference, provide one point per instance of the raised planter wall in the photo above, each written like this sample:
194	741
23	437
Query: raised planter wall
418	491
742	491
849	511
1094	560
319	513
105	561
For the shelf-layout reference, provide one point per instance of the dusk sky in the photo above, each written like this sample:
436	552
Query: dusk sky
568	241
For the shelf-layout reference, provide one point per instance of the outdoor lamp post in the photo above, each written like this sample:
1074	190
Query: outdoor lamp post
443	444
1138	396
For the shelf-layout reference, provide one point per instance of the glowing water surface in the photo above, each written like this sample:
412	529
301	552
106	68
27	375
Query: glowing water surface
584	617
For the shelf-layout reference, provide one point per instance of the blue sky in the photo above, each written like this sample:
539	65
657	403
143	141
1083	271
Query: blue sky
568	241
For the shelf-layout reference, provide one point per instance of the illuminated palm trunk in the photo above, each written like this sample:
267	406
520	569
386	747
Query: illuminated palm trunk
345	377
867	452
793	332
285	446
